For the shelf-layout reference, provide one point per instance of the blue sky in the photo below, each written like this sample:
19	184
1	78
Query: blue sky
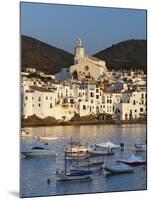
99	28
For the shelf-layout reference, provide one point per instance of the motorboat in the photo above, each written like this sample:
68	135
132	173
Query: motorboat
133	160
109	145
140	147
93	151
118	168
38	151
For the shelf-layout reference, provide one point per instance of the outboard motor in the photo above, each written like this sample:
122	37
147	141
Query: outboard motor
122	145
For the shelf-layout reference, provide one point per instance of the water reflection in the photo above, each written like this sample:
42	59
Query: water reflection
35	172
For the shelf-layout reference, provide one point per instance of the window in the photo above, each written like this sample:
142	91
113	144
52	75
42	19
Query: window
107	100
110	101
91	94
142	95
135	110
39	99
141	109
97	96
26	98
24	104
97	90
46	98
32	98
134	102
39	104
50	105
33	105
84	107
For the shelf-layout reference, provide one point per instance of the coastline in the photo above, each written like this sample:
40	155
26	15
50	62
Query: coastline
78	123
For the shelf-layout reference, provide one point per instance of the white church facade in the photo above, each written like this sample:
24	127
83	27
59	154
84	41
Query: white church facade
86	67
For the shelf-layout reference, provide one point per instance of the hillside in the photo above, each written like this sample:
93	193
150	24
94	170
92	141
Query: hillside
126	55
42	56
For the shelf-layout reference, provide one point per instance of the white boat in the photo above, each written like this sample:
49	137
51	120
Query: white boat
77	156
63	177
38	152
133	160
48	138
118	168
95	151
140	147
75	147
109	145
25	134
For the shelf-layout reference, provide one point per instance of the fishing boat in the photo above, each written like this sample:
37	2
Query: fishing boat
110	145
133	160
77	156
118	168
75	147
72	175
94	151
38	151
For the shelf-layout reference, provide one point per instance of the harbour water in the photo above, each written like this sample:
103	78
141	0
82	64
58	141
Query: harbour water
36	171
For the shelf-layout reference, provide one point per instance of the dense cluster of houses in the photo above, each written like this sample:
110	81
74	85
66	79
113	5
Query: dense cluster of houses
86	88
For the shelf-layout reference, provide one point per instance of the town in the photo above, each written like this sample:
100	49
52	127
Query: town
85	89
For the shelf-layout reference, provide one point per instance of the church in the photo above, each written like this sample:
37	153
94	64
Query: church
86	67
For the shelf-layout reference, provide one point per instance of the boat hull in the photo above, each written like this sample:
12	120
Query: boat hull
38	153
73	178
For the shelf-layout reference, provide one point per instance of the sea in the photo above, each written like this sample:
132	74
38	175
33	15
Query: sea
35	172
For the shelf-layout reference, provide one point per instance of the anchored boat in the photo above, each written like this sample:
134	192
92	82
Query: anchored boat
38	152
118	168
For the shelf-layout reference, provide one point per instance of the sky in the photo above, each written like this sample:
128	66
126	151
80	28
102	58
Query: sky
98	27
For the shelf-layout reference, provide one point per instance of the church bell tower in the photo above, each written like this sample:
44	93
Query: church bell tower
79	51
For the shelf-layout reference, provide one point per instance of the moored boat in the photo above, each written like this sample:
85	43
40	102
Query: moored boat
118	168
38	152
133	161
93	151
110	145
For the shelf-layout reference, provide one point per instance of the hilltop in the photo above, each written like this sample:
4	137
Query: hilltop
125	55
42	56
49	59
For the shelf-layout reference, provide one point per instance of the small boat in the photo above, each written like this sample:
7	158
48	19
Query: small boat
92	165
133	161
38	152
93	151
48	138
63	177
110	145
75	147
140	147
25	134
78	172
118	168
72	175
77	156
